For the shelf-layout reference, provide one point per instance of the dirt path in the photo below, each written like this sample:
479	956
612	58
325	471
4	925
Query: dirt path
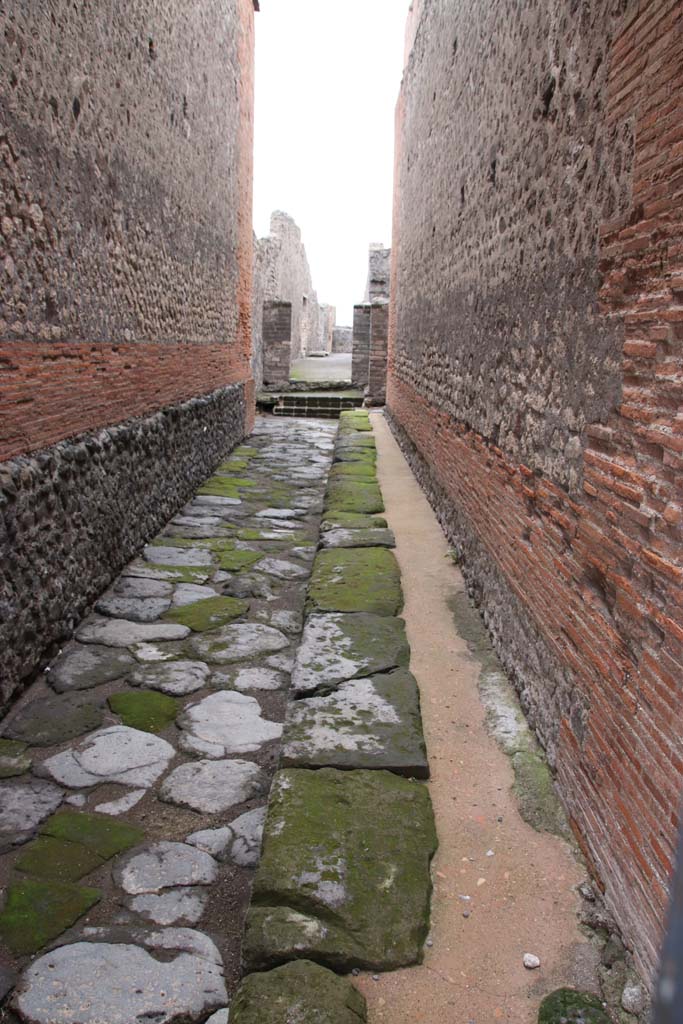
521	898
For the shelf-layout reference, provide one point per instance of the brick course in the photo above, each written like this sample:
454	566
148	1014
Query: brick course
573	553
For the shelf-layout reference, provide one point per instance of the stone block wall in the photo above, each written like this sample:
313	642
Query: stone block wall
322	345
125	286
377	356
535	382
360	360
277	342
379	273
342	340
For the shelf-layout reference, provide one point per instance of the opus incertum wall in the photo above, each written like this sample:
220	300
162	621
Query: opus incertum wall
125	288
534	380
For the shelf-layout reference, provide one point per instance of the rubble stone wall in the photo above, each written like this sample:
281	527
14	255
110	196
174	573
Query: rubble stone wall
535	382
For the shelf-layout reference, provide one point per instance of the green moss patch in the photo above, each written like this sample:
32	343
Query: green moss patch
37	911
300	991
344	874
46	857
144	709
245	451
347	494
208	613
219	487
236	561
538	802
352	521
233	465
567	1006
355	580
99	832
359	470
354	419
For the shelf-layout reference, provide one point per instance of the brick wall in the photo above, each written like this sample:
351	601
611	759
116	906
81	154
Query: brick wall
377	360
277	342
536	381
360	365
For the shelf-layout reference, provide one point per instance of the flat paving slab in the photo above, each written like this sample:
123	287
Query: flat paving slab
344	875
355	580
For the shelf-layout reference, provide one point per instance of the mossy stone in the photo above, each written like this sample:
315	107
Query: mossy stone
567	1006
300	991
181	573
358	470
219	487
99	832
37	911
54	719
13	759
354	419
245	451
233	465
208	613
344	874
538	802
249	533
352	521
46	857
348	494
144	709
355	580
235	561
355	440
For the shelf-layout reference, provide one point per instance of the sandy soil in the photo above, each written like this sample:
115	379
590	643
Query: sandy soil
519	883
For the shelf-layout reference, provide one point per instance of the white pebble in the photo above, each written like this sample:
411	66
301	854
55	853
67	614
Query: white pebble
531	961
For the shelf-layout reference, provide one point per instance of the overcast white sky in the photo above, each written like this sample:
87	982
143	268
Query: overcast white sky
327	79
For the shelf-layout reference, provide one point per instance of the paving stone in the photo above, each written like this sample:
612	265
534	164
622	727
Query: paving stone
46	857
301	991
127	586
123	804
159	555
208	614
172	906
220	1016
145	710
214	499
13	758
121	633
344	873
164	865
358	539
234	643
83	666
185	940
115	754
175	678
49	720
96	832
283	569
169	573
258	678
213	786
24	805
280	513
286	619
136	609
92	983
352	521
365	723
240	841
38	910
281	662
355	580
155	654
188	593
335	648
225	723
246	585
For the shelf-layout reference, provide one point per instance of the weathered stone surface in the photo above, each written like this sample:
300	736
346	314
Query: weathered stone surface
208	614
355	580
567	1006
158	555
82	666
225	723
24	804
220	1016
344	873
240	841
137	609
188	593
126	586
172	906
164	865
49	720
300	991
50	858
38	910
169	573
121	633
148	711
175	678
96	832
257	678
91	982
158	653
365	723
245	585
335	648
234	643
213	786
352	521
358	539
13	758
283	569
116	754
348	494
123	804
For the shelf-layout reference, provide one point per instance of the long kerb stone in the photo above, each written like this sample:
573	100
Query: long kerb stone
344	875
